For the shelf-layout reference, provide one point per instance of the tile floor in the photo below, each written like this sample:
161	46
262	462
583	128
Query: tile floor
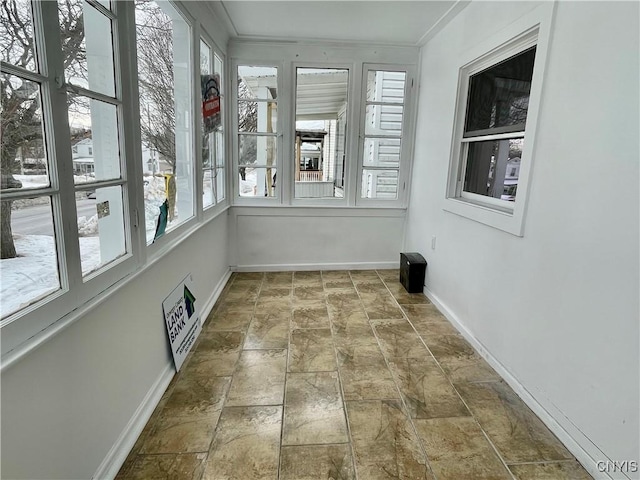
339	375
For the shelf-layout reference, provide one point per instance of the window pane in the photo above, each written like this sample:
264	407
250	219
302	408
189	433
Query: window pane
381	152
24	155
321	115
384	120
100	228
87	39
164	82
381	184
257	182
493	168
385	86
17	44
32	272
499	96
220	182
217	68
94	139
257	117
208	188
256	150
257	82
205	58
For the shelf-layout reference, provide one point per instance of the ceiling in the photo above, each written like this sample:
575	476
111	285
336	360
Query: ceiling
372	22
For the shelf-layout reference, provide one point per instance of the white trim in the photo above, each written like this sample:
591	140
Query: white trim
126	440
21	350
457	7
567	432
118	453
406	137
316	266
532	28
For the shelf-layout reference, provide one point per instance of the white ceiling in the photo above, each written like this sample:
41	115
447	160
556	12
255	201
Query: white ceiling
374	22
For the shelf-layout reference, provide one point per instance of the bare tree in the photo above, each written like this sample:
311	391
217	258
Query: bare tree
156	79
21	108
247	122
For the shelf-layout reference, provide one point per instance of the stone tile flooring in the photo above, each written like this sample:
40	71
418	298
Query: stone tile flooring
339	375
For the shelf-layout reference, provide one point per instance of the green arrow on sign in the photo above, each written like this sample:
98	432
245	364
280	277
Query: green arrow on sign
189	301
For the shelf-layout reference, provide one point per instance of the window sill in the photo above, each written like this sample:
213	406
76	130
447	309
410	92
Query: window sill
505	220
23	349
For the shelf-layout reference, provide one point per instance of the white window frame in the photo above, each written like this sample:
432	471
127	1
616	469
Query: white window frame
75	290
406	137
218	206
171	237
533	29
283	119
349	133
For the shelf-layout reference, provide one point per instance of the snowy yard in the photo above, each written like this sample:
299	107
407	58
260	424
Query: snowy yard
34	273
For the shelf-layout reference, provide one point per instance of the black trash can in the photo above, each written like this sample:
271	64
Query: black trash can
412	269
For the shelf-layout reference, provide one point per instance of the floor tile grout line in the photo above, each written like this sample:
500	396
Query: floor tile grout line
500	457
543	462
286	375
447	377
401	396
341	385
228	391
453	386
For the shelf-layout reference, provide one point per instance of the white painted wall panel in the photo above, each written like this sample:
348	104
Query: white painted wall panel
558	308
66	403
316	238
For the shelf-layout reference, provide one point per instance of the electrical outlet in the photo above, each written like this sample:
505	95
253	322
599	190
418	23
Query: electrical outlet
433	242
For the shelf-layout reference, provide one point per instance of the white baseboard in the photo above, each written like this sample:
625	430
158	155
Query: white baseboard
561	426
316	266
113	461
213	298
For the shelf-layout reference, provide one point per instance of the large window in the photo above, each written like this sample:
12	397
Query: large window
320	132
64	219
339	135
213	153
493	136
384	113
257	122
164	80
496	116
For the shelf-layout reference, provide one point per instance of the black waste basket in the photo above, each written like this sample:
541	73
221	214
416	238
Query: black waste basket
412	270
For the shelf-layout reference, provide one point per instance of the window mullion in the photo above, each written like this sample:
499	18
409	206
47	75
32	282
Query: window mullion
59	146
499	136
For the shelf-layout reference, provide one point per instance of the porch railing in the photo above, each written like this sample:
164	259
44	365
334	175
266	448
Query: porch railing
309	176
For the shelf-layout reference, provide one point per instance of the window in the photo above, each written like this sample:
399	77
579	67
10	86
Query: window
493	136
65	234
382	133
257	110
320	132
164	82
213	155
319	129
496	117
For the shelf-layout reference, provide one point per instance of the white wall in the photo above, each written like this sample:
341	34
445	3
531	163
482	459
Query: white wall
290	238
558	308
65	404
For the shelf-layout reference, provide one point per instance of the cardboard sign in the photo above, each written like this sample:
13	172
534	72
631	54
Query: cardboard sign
182	320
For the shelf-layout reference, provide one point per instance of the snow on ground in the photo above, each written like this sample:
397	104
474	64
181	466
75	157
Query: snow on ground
41	181
34	273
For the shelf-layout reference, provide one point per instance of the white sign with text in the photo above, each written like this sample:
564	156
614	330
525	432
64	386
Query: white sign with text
182	320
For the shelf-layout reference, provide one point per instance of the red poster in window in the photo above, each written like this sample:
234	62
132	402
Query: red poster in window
210	102
210	107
